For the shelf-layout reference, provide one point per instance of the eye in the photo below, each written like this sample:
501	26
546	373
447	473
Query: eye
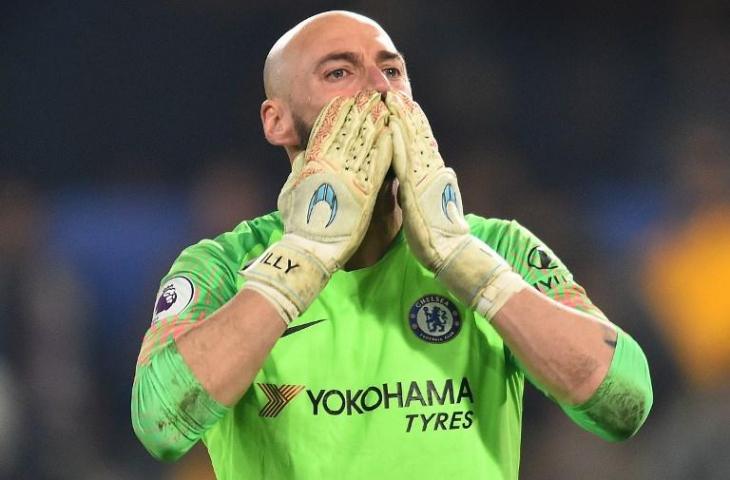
337	74
392	72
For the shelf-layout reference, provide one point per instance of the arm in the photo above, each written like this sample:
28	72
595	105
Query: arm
207	342
617	403
187	385
596	372
567	353
225	352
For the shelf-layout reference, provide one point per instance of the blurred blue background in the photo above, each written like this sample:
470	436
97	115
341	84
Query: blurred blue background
129	130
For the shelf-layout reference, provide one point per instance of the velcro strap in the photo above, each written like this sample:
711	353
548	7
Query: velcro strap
480	277
493	297
290	270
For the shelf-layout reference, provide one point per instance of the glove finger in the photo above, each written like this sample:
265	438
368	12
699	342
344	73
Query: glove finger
418	147
362	161
392	101
365	100
328	124
342	153
395	103
382	154
408	109
403	171
400	152
421	127
412	159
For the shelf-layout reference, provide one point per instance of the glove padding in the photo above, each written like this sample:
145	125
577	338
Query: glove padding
326	203
433	216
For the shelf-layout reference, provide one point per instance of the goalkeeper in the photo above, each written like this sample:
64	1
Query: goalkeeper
368	328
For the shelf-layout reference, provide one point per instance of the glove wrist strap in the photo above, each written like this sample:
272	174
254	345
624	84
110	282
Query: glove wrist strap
480	277
495	294
289	276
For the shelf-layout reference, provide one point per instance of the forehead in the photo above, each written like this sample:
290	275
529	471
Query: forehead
341	34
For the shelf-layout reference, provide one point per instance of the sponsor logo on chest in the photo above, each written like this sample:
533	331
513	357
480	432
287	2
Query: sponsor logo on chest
399	395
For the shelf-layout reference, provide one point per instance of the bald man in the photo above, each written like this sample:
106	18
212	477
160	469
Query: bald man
369	329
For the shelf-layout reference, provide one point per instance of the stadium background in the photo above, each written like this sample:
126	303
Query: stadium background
129	130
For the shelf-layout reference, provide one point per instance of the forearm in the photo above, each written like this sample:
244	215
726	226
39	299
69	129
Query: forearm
170	409
187	386
597	373
566	351
188	375
569	354
623	400
225	352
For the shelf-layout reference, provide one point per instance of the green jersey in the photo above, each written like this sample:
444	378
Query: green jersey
385	375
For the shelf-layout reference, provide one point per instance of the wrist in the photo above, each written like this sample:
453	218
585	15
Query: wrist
287	310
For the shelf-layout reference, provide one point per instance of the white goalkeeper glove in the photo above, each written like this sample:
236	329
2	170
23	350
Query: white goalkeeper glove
433	217
326	203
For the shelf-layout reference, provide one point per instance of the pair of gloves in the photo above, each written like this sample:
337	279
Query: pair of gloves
327	203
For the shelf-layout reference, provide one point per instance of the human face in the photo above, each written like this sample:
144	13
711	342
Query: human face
340	56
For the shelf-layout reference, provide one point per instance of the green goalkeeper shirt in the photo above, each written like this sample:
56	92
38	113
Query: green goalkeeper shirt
386	375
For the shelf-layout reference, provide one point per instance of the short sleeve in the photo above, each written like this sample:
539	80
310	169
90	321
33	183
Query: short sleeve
532	259
199	282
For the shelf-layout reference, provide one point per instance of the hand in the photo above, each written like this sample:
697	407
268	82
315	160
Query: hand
326	203
433	216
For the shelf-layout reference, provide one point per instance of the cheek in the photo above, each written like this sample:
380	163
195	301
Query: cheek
311	113
306	109
314	104
403	87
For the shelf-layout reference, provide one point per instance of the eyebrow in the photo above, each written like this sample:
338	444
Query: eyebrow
385	55
354	58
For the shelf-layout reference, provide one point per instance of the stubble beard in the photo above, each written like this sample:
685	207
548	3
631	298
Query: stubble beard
303	131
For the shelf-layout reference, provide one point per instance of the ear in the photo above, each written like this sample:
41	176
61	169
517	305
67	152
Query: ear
278	124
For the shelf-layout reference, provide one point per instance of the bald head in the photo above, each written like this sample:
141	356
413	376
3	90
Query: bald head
279	68
332	54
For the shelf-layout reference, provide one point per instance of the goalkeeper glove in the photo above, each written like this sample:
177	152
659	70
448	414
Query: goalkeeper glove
326	203
433	217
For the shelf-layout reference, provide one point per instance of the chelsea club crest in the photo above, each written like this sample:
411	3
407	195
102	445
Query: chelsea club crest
434	319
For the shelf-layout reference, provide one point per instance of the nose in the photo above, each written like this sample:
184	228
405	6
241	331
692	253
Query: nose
377	80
